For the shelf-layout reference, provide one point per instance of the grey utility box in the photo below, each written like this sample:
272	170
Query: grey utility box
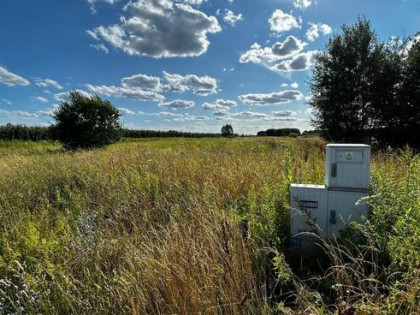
347	166
327	209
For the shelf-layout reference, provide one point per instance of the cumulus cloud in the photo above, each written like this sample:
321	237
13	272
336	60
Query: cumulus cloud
258	54
249	114
142	87
160	28
125	92
220	105
178	104
273	98
48	82
316	30
232	18
203	85
141	81
302	4
284	113
11	79
300	62
289	47
269	56
281	21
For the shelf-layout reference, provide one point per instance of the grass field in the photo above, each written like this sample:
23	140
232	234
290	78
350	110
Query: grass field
196	226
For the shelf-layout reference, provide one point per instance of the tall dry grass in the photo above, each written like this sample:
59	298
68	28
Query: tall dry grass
173	226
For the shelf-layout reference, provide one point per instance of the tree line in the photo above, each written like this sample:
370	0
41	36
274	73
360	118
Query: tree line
368	90
282	132
11	132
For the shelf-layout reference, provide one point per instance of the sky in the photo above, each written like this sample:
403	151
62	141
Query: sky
187	65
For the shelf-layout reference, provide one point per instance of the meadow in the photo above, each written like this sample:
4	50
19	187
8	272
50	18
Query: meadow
196	226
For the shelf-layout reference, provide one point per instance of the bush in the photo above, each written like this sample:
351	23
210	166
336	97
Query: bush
86	122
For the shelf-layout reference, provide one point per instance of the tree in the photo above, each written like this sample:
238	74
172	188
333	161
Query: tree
86	122
227	130
365	90
344	84
409	113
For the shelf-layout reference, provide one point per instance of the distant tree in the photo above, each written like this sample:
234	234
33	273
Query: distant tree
227	130
86	122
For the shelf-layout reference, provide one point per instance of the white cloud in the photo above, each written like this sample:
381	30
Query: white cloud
92	3
7	101
203	85
178	104
291	46
220	105
48	82
316	30
232	18
142	87
125	92
125	111
65	96
283	56
194	2
300	62
169	114
24	114
258	54
39	99
294	85
160	28
280	50
11	79
141	81
100	47
273	98
284	113
302	4
281	21
249	114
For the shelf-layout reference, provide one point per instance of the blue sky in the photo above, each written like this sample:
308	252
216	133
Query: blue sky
190	65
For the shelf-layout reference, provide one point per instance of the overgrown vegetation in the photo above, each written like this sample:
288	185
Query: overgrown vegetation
192	226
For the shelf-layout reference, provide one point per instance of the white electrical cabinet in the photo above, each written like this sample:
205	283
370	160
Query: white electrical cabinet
327	209
347	166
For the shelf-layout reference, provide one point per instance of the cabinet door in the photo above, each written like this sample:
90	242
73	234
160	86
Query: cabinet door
308	210
342	209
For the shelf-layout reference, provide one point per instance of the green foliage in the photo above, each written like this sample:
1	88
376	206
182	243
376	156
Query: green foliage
227	130
11	132
283	132
86	122
366	90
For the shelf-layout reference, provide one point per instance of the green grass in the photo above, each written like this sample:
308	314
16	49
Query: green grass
188	226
